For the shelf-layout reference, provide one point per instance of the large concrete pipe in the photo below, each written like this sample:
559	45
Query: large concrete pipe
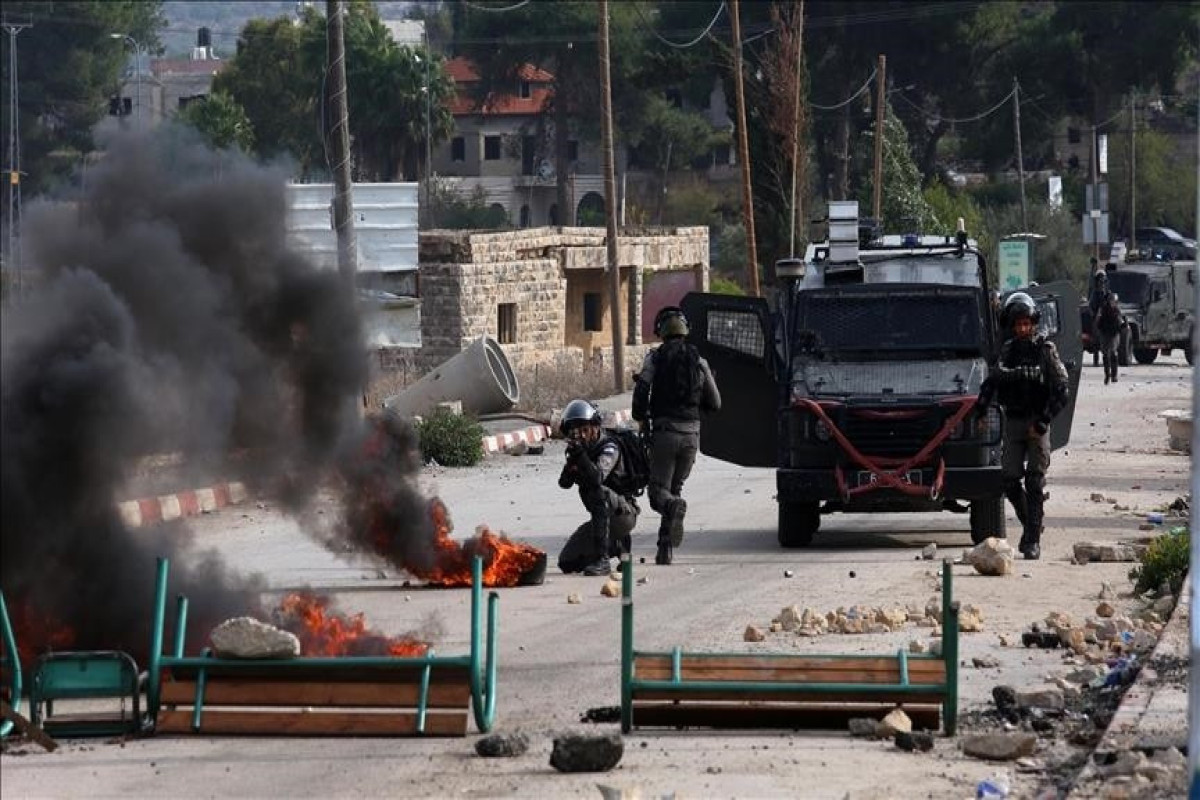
480	377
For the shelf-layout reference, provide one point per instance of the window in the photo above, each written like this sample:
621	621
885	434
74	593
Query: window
491	148
458	149
1073	136
572	150
506	323
525	90
184	102
592	312
721	155
525	216
120	106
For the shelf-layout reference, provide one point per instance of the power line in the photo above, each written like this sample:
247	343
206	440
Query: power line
866	85
513	7
956	121
680	46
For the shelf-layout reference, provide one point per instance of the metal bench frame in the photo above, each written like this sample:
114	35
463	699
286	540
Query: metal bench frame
481	668
734	690
10	663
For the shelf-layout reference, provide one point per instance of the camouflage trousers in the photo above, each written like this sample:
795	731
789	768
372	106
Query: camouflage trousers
1026	458
607	534
672	455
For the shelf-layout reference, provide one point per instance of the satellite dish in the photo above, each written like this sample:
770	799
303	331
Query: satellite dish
545	170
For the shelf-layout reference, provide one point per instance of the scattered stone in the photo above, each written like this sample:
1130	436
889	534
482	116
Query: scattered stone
1105	609
1044	639
574	599
1171	757
610	588
985	662
246	637
1164	605
929	552
517	449
1005	698
1143	641
753	634
909	741
918	647
992	556
933	608
536	449
1041	697
642	581
927	622
1084	676
1000	746
776	627
587	753
896	720
502	745
1104	551
862	726
1074	638
935	648
970	619
787	573
789	617
1097	497
1127	762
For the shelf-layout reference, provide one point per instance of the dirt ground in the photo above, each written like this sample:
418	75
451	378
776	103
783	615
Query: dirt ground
557	660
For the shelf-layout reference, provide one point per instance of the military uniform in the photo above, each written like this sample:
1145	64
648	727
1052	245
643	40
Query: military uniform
596	469
673	415
1031	385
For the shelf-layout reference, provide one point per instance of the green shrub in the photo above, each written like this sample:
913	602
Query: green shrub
1165	561
721	285
452	440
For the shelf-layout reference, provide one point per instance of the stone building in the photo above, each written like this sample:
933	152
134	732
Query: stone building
543	293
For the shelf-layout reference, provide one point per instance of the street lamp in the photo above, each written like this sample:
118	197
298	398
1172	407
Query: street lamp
137	68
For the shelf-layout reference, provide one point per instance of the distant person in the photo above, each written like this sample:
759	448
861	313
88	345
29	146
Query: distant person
1030	384
1096	295
673	387
594	464
1109	322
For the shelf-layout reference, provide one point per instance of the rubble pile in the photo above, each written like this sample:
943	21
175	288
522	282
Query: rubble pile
810	622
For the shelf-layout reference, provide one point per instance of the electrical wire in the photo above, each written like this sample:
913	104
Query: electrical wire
866	85
957	121
677	45
513	7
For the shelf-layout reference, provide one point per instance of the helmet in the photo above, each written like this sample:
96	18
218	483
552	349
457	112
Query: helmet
1020	305
578	413
670	321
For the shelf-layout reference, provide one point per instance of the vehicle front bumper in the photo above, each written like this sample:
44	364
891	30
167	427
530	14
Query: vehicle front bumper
958	483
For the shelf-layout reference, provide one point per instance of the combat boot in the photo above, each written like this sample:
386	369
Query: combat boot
1031	544
599	567
1016	496
664	555
676	509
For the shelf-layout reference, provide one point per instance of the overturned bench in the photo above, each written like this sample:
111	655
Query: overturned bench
738	690
10	669
426	695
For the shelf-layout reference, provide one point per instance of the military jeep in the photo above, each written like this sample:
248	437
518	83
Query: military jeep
857	379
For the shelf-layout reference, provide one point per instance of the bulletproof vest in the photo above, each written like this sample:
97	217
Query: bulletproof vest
1027	390
616	477
678	383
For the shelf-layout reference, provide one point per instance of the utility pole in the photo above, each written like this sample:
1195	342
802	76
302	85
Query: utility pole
877	200
343	201
1132	172
610	205
12	259
796	199
428	137
1095	213
1020	154
744	153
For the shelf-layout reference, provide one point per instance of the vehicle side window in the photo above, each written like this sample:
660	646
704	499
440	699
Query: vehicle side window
736	330
1048	325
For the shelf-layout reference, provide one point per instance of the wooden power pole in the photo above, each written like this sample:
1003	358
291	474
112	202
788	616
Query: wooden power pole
1020	155
610	205
1132	171
877	197
744	154
343	201
797	191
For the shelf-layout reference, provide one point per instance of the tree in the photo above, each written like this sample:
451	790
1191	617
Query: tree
68	66
904	206
221	121
277	76
1166	182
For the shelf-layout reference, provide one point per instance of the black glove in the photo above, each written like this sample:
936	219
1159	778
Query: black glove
1041	426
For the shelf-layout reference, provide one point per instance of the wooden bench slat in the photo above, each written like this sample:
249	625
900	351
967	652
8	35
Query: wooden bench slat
799	663
890	698
694	673
741	716
283	671
316	723
86	717
233	691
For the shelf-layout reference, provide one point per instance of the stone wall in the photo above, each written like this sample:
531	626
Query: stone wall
544	273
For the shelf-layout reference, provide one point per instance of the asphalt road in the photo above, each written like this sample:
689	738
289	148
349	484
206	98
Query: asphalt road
557	659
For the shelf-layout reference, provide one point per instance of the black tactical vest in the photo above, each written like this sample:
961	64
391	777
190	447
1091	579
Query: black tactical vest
1028	392
678	382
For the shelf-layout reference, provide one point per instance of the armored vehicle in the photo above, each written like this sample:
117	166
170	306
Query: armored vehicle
857	380
1158	299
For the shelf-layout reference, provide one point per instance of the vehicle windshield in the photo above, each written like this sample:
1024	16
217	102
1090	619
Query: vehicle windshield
857	323
1130	287
950	270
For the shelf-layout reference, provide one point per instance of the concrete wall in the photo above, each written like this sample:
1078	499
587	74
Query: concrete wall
545	272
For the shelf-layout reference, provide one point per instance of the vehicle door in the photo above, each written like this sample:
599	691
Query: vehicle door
735	336
1183	300
1057	302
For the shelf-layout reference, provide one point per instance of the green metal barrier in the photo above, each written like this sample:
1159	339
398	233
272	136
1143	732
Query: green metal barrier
85	675
11	663
480	666
725	690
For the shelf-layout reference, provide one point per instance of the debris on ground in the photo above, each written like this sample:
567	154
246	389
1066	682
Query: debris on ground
502	745
914	741
574	599
895	721
610	588
602	714
862	727
1000	746
929	552
1086	552
992	556
577	752
754	634
247	637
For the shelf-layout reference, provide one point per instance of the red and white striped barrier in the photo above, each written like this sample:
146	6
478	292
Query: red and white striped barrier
167	507
502	441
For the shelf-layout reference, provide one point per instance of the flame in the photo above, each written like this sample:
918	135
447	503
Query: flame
323	632
38	632
504	561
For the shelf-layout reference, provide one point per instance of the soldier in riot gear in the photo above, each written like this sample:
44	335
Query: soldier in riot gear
594	464
673	387
1030	383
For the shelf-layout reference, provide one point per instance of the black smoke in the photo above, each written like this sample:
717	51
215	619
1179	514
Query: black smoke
171	317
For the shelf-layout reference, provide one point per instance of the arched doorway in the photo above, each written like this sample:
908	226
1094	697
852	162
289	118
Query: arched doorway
526	217
552	216
590	213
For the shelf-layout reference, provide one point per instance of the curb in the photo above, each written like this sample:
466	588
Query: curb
167	507
502	441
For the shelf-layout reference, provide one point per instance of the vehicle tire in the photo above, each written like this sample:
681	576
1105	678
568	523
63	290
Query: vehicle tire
1187	348
1145	355
987	519
798	521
